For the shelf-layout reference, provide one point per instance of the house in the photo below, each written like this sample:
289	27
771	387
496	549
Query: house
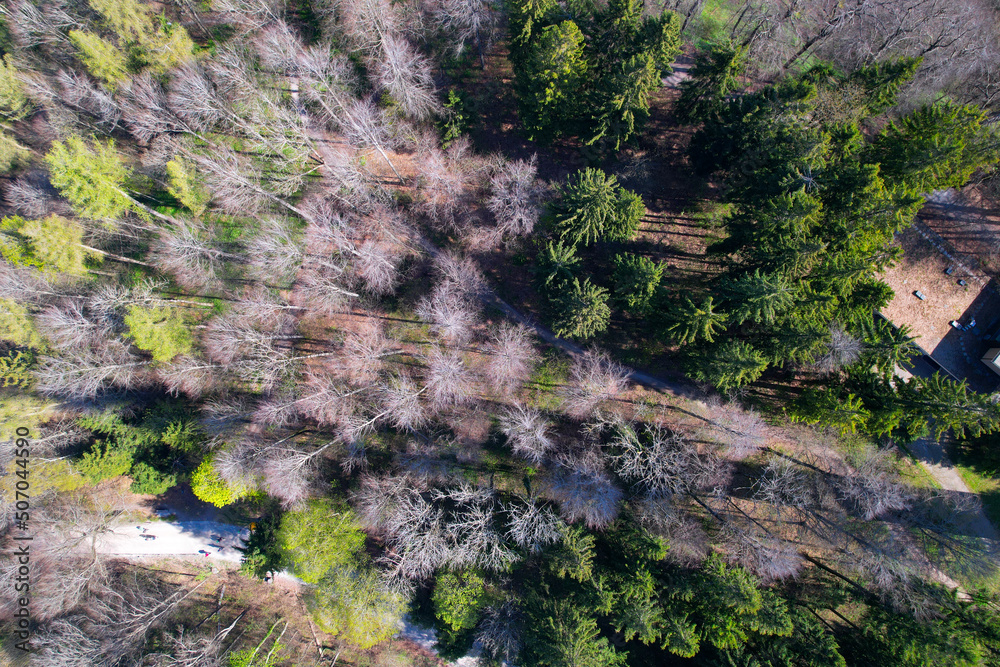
953	311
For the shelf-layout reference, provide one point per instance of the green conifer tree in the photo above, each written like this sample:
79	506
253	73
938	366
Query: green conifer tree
581	309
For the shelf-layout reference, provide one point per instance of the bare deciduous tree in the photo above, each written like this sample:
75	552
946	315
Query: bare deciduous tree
327	401
473	531
591	497
449	381
418	533
226	415
366	249
145	110
186	252
279	47
532	527
355	457
275	254
689	543
451	315
192	98
377	497
516	197
238	464
460	273
427	530
321	292
79	92
887	565
190	375
278	410
288	472
365	22
34	26
112	627
365	350
444	187
327	81
594	378
740	432
84	374
255	349
477	21
33	197
873	488
843	349
783	484
512	357
69	328
527	432
25	285
251	15
584	490
401	401
406	76
499	633
660	461
767	556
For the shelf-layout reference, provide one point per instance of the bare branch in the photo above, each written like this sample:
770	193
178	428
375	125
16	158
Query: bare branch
516	197
512	357
448	380
527	432
594	378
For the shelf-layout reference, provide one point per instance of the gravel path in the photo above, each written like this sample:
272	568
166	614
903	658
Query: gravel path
935	461
205	539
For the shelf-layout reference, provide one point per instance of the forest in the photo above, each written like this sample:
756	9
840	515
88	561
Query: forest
549	327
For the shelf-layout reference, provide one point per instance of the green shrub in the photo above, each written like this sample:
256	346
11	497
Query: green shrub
186	186
459	598
320	537
148	480
159	331
208	486
13	101
91	175
53	244
102	58
15	369
356	604
105	461
16	325
12	154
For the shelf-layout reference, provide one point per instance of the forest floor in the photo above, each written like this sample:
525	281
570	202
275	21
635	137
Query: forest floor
224	597
190	544
671	230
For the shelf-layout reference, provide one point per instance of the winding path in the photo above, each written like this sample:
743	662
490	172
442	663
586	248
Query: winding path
935	461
